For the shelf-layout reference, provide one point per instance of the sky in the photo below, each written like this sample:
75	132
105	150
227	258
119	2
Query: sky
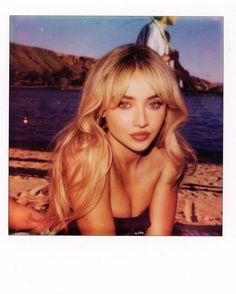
198	39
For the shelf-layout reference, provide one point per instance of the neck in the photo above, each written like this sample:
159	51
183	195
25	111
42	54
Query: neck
123	157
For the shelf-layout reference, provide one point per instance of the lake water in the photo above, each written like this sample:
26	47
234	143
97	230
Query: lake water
48	110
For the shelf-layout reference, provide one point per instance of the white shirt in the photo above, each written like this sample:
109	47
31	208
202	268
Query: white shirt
157	39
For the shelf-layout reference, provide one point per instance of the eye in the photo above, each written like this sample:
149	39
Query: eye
124	105
155	104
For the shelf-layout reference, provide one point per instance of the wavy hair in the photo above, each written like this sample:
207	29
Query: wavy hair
82	155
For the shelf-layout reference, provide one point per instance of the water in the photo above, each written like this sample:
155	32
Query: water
205	127
48	110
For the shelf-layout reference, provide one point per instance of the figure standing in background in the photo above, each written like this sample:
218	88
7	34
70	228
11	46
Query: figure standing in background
153	35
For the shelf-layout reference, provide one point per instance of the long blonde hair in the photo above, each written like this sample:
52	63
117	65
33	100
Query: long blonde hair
82	156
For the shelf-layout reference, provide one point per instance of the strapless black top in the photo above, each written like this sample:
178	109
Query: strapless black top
131	226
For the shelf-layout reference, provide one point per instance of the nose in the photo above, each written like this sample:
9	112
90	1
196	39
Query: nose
140	118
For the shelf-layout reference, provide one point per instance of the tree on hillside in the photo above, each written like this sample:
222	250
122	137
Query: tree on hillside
16	75
65	73
80	81
32	76
47	78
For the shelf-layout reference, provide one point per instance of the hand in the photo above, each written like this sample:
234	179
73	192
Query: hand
174	54
22	217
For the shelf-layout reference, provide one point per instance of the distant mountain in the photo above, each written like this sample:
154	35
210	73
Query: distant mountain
33	66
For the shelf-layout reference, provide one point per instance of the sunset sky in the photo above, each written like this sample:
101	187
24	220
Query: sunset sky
198	39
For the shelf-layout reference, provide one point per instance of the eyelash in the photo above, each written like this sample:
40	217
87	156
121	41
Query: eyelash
157	103
122	103
152	105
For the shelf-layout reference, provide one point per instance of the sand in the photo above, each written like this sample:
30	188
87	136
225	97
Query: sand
199	198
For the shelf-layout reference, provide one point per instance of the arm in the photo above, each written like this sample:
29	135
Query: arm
163	204
100	220
166	57
22	217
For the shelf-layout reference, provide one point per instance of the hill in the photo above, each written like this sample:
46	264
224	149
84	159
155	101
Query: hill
33	66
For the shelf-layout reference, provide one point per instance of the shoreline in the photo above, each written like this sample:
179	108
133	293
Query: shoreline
200	196
79	88
204	156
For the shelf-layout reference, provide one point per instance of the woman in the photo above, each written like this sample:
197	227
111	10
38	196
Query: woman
117	165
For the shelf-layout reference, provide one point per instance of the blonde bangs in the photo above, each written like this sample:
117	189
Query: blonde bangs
115	88
162	83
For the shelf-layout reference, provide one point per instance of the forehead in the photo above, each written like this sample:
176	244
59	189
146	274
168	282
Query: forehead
140	83
138	86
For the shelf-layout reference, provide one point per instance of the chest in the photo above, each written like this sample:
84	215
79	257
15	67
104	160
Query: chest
131	194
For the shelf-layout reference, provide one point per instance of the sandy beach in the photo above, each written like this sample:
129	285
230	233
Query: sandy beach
199	200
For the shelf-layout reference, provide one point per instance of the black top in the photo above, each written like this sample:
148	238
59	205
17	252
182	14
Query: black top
124	226
133	225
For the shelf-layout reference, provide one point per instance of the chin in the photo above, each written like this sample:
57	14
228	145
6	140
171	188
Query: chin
140	148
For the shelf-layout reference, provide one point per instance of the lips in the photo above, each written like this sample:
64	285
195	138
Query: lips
140	136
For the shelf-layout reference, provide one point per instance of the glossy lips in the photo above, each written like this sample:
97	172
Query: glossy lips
140	136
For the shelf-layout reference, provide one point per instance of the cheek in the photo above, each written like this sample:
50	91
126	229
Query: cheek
117	120
159	118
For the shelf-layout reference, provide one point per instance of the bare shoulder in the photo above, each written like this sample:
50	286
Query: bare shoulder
164	198
169	172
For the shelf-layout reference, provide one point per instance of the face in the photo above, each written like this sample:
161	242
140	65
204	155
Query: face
138	118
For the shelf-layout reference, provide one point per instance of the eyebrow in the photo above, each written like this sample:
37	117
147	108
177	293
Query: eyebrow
133	98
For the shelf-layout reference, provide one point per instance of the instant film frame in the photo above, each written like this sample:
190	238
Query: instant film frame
102	260
50	57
